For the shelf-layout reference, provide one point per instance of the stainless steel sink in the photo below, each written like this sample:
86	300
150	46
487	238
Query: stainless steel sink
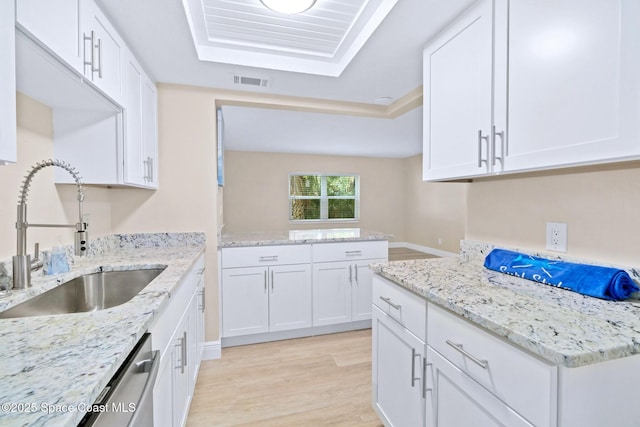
90	292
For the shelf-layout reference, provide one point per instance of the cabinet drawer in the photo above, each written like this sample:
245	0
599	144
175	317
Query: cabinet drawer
349	251
406	308
265	255
524	382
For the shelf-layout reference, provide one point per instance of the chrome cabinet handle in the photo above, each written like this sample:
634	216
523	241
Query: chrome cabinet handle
265	281
148	164
184	351
90	38
388	301
424	376
480	139
99	46
413	367
202	300
272	281
458	347
493	146
351	275
353	253
268	258
356	268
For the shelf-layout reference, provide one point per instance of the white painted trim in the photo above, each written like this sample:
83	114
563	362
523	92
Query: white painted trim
425	249
212	350
295	333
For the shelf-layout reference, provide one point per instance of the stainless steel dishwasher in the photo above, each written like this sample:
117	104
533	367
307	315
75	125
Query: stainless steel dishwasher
127	400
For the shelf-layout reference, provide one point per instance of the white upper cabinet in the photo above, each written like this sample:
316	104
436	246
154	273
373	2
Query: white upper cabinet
7	83
457	98
532	84
71	58
55	23
140	123
573	82
103	51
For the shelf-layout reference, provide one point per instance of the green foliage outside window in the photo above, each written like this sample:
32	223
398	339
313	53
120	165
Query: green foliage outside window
323	197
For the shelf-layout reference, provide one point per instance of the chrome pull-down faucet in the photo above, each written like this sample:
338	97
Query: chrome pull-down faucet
22	263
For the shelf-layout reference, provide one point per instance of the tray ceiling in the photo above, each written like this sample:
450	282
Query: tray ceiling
322	40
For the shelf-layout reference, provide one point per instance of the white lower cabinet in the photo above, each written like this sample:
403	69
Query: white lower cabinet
342	291
342	280
432	368
398	358
454	399
175	333
265	299
398	375
287	291
181	391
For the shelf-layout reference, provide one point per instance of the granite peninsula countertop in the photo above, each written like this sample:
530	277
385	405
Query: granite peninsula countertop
292	237
51	367
565	328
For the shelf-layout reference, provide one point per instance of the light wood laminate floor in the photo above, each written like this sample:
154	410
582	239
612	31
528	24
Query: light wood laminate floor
315	381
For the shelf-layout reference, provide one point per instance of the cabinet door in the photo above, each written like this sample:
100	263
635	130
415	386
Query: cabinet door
290	297
331	293
573	85
134	166
150	131
55	24
181	390
7	83
397	373
245	301
361	297
193	359
454	399
140	124
163	395
104	50
200	317
458	97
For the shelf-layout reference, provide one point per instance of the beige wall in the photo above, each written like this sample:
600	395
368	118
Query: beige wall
47	202
600	205
435	213
256	193
186	198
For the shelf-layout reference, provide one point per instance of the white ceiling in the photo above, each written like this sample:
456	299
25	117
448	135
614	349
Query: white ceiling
322	40
388	65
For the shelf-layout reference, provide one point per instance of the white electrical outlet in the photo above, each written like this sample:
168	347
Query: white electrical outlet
557	236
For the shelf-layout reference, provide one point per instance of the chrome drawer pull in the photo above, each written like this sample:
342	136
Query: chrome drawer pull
353	253
413	367
424	376
482	363
268	258
388	301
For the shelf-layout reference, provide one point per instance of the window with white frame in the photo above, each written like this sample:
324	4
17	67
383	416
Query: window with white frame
324	197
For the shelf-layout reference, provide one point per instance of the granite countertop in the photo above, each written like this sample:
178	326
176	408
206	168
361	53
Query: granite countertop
268	238
53	367
565	328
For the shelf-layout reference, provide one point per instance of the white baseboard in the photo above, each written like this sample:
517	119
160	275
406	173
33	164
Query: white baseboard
212	350
425	249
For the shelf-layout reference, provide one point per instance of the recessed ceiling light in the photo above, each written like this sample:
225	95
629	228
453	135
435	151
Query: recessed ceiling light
383	100
288	7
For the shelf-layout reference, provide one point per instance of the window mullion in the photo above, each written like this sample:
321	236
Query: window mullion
324	201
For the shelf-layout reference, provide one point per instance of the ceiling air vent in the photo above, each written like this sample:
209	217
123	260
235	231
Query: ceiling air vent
250	81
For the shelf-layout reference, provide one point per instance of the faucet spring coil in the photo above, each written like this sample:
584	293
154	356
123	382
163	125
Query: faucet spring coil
26	184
